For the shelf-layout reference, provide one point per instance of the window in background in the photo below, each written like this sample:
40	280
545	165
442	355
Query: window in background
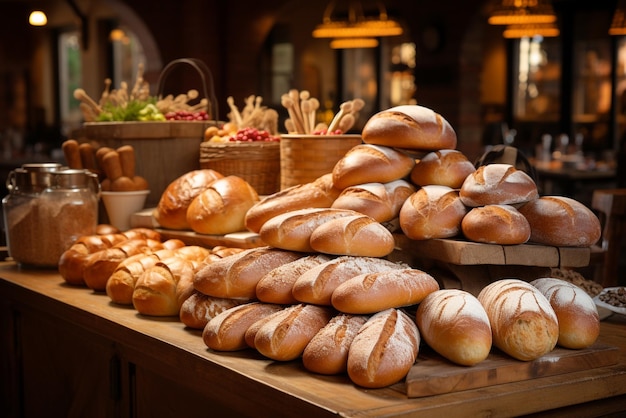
70	78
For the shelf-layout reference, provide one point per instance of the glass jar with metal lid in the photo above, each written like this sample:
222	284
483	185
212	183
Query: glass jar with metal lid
48	207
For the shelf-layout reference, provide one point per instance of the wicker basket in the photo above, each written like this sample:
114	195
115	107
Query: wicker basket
304	158
256	162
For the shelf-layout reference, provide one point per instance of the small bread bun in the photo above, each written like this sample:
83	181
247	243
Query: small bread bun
562	222
432	212
496	224
444	167
579	323
411	127
366	163
497	184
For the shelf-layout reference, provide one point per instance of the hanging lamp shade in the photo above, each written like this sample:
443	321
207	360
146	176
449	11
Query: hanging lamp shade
546	30
618	23
522	12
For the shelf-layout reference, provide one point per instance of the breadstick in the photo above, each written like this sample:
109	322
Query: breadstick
87	156
71	152
127	160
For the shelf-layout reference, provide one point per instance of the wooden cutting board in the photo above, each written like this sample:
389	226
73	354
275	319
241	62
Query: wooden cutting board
434	375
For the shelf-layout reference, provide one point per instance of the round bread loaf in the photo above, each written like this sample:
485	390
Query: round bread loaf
366	163
561	221
523	324
222	207
496	224
579	322
384	350
444	167
318	194
432	212
327	352
455	325
199	309
410	126
497	184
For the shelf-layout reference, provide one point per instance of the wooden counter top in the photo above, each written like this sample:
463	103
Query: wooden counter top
250	385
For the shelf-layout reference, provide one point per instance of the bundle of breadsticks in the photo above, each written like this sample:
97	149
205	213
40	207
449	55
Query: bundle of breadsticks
302	109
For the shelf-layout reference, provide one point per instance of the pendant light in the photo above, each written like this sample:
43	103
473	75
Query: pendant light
518	12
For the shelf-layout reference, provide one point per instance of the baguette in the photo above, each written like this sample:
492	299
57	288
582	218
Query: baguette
198	309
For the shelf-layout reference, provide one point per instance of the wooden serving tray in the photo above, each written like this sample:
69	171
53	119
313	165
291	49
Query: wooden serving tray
434	375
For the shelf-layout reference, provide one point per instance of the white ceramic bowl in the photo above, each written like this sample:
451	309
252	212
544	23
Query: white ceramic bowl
121	205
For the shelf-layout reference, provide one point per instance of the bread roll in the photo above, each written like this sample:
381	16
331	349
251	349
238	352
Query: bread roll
410	126
327	352
380	201
454	324
237	276
523	323
374	292
171	211
221	208
318	284
446	167
318	194
198	309
226	331
432	212
579	323
496	224
384	350
276	286
561	221
286	334
357	235
366	163
497	184
292	230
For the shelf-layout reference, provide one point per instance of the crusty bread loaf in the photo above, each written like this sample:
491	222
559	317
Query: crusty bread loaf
432	212
198	309
496	224
410	126
523	323
366	163
497	184
171	211
561	221
276	286
252	330
221	208
320	193
384	350
357	235
292	230
286	334
446	167
226	331
381	201
237	276
374	292
579	323
454	324
327	352
317	285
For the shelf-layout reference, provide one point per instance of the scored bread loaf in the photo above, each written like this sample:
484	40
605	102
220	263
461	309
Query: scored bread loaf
327	352
198	309
384	350
226	331
366	163
381	201
317	285
561	221
171	210
374	292
523	323
319	193
287	332
498	184
579	322
252	330
221	208
358	235
410	126
447	167
496	224
432	212
454	324
276	286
